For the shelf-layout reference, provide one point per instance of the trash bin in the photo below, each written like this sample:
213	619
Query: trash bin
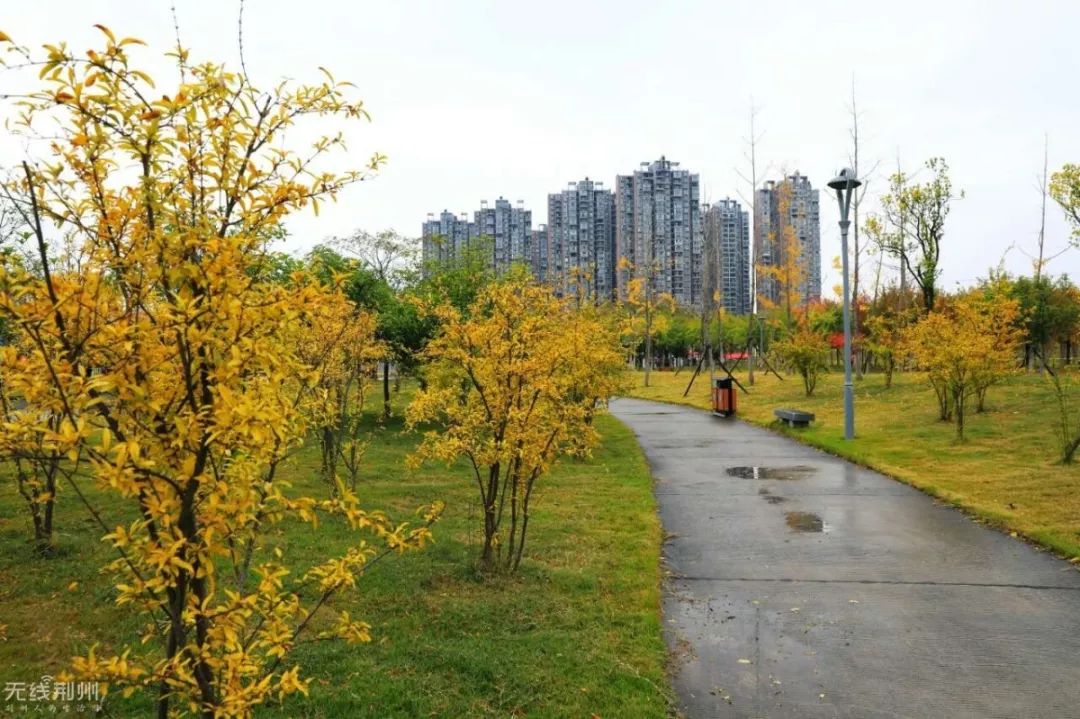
723	397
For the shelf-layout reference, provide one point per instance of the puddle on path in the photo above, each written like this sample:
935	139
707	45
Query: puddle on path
773	499
783	473
804	522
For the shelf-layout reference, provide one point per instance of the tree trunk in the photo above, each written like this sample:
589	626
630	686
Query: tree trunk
855	235
187	523
750	356
328	453
1070	450
386	388
524	526
487	553
45	541
648	339
1042	223
491	518
958	409
41	511
944	401
513	479
855	279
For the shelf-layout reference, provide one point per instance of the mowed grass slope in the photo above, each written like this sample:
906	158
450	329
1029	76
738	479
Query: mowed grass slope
577	633
1006	472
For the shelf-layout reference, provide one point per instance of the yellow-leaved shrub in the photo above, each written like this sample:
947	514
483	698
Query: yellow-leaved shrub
152	352
512	386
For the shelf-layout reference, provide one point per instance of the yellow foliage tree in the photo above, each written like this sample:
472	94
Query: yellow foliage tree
513	385
806	352
965	347
171	369
340	339
37	462
1065	189
889	316
580	284
884	337
646	308
785	275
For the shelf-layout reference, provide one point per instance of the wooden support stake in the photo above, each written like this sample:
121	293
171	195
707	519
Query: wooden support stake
696	370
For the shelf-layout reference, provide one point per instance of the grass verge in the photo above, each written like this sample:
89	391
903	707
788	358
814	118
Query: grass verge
1006	472
575	634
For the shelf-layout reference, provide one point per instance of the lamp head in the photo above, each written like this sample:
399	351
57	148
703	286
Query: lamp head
846	180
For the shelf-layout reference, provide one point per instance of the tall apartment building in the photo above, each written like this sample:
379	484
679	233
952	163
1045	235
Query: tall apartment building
447	237
581	237
727	256
658	226
539	255
510	230
790	203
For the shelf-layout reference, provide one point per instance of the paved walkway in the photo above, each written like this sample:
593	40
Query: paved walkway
804	586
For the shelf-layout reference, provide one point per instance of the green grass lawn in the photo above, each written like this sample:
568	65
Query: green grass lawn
1006	472
575	634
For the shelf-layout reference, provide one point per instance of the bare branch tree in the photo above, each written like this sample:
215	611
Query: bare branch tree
750	153
860	193
388	255
1044	180
240	38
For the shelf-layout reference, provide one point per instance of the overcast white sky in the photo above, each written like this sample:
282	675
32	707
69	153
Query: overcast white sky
471	100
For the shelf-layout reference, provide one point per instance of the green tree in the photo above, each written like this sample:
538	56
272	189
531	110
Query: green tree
825	317
1049	310
277	268
912	225
680	333
458	281
730	331
388	261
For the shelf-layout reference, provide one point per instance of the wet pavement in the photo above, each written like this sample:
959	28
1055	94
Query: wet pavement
804	586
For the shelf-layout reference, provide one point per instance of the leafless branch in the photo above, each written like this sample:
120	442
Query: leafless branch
240	39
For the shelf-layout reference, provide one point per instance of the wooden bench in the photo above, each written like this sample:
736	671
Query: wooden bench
794	417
